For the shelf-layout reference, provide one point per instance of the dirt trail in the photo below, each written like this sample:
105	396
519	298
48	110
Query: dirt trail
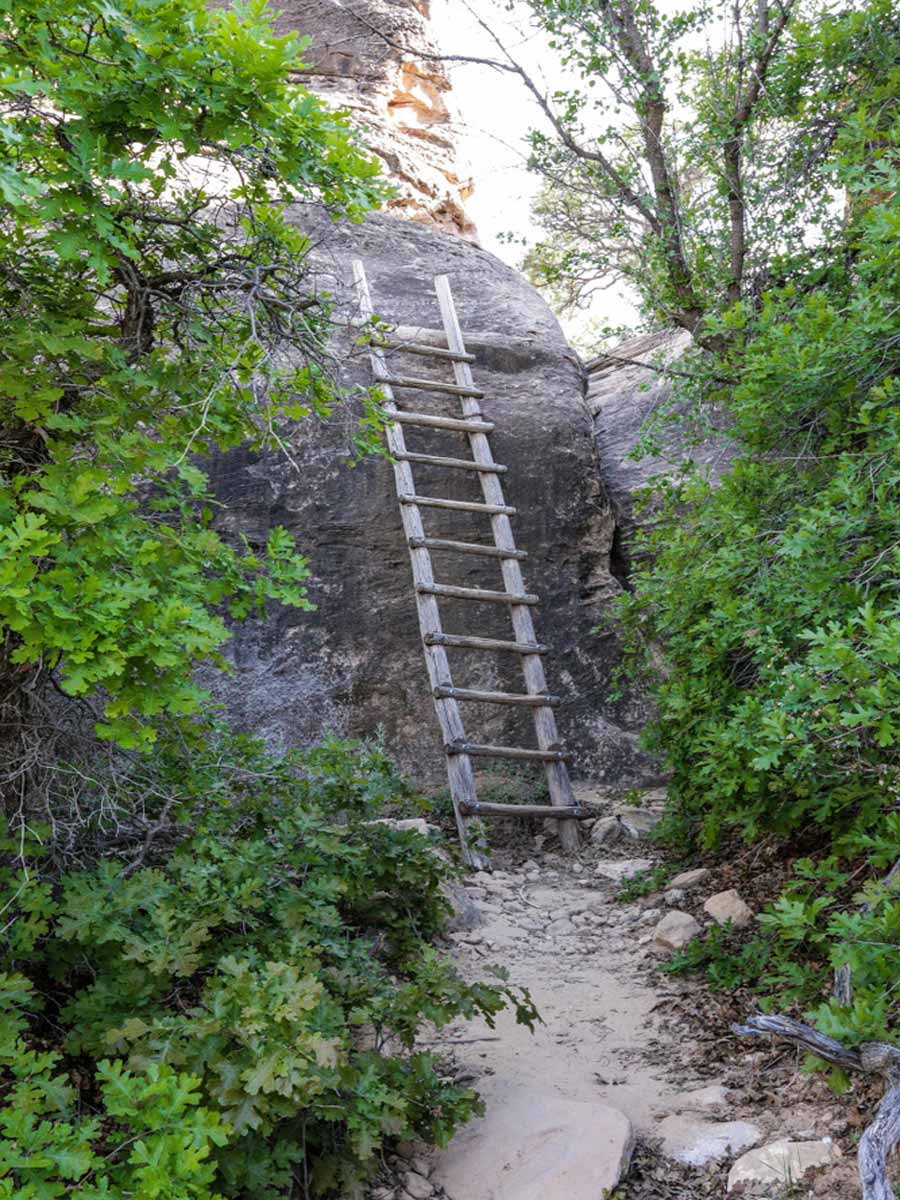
618	1040
564	938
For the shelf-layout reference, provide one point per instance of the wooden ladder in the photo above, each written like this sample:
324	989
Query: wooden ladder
447	698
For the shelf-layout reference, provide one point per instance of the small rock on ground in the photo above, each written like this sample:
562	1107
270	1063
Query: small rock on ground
417	1186
638	823
675	930
715	1095
696	1143
781	1163
620	870
606	831
728	906
690	879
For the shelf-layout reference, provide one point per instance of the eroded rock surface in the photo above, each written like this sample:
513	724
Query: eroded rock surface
376	59
356	663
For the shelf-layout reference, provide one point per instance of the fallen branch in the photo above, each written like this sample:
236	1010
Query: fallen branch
883	1135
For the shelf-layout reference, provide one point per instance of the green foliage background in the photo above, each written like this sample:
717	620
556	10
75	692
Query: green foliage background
238	1017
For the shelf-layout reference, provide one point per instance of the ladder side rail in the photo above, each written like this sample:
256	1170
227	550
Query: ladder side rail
459	766
558	782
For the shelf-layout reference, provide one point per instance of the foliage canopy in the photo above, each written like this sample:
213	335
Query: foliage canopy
156	304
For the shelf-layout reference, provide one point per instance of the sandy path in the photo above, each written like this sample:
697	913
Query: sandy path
576	951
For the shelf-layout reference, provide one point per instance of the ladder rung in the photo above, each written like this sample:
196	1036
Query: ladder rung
424	349
461	464
459	505
484	808
426	419
429	385
466	593
455	693
477	750
427	543
464	642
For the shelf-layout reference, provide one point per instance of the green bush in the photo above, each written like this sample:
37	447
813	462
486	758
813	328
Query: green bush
771	594
237	1017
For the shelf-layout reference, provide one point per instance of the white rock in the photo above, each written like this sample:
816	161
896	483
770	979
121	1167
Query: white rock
675	930
561	925
606	831
782	1162
690	879
535	1145
728	906
673	896
417	824
696	1143
621	869
639	823
649	915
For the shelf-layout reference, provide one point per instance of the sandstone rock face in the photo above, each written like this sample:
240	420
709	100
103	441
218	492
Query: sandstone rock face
355	665
376	59
537	1146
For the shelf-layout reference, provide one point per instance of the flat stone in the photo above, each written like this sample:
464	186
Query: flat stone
696	1143
675	930
728	906
782	1162
639	823
621	869
534	1145
606	831
690	879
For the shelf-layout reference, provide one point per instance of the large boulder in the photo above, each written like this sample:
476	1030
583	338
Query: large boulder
355	665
